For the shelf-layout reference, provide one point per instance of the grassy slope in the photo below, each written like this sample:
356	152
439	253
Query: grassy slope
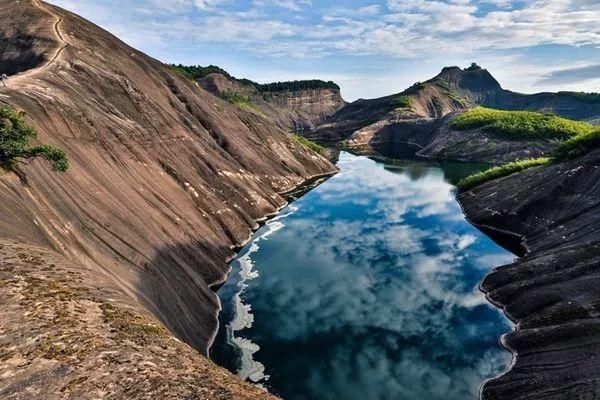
576	137
500	171
521	124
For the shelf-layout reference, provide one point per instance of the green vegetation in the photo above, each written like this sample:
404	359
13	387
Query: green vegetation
241	101
196	72
310	144
500	171
402	101
520	124
578	145
294	86
15	138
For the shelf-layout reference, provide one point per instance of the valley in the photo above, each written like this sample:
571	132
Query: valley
156	214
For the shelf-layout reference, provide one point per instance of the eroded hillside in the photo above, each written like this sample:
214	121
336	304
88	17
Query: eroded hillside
165	180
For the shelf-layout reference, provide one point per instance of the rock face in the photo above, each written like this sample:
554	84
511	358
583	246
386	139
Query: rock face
165	180
551	216
298	110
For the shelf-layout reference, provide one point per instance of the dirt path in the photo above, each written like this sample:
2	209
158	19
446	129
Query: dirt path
20	79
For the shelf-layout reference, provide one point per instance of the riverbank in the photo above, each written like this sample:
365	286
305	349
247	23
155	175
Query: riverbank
551	292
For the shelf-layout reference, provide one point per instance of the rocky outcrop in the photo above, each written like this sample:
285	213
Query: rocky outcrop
551	217
165	180
296	110
477	85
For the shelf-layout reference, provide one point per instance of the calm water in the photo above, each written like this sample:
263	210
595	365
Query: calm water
366	288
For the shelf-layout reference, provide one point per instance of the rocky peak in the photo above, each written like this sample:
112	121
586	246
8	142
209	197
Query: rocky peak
474	83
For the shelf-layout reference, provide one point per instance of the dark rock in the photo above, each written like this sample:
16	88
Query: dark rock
552	293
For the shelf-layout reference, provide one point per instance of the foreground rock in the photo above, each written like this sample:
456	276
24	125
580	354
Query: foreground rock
550	215
165	180
64	335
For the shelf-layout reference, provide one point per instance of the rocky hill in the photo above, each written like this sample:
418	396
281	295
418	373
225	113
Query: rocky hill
480	87
296	106
422	115
110	262
551	216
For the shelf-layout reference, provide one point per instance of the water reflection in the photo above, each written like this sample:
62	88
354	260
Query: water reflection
368	292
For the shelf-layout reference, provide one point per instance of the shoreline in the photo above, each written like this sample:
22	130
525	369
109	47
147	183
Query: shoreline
309	183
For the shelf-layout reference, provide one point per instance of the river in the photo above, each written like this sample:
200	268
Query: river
366	288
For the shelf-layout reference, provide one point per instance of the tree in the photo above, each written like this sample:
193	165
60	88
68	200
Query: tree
15	138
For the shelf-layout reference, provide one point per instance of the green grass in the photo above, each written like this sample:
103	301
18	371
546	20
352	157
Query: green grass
310	144
521	124
578	145
500	171
400	102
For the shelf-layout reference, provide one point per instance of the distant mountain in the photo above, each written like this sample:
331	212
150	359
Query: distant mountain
293	105
420	116
477	85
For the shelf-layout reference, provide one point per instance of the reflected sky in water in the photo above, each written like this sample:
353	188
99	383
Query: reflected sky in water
366	288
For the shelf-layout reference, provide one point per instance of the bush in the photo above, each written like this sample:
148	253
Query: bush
310	144
520	124
15	138
500	171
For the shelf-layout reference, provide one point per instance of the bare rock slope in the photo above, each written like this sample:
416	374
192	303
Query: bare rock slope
165	180
551	216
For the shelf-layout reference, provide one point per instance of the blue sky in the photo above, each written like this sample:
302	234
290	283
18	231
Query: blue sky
370	48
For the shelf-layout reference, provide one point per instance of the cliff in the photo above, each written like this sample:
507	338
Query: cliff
165	180
551	216
296	110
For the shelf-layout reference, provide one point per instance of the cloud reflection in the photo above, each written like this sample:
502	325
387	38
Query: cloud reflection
370	292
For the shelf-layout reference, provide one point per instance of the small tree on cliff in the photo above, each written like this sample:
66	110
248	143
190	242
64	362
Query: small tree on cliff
15	138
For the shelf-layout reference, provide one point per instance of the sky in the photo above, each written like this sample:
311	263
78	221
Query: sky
371	48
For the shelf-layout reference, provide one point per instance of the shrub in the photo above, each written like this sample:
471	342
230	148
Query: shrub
15	138
520	124
500	171
310	144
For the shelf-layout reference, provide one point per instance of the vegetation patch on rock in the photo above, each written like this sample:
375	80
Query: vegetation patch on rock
520	124
310	144
501	171
15	143
578	145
